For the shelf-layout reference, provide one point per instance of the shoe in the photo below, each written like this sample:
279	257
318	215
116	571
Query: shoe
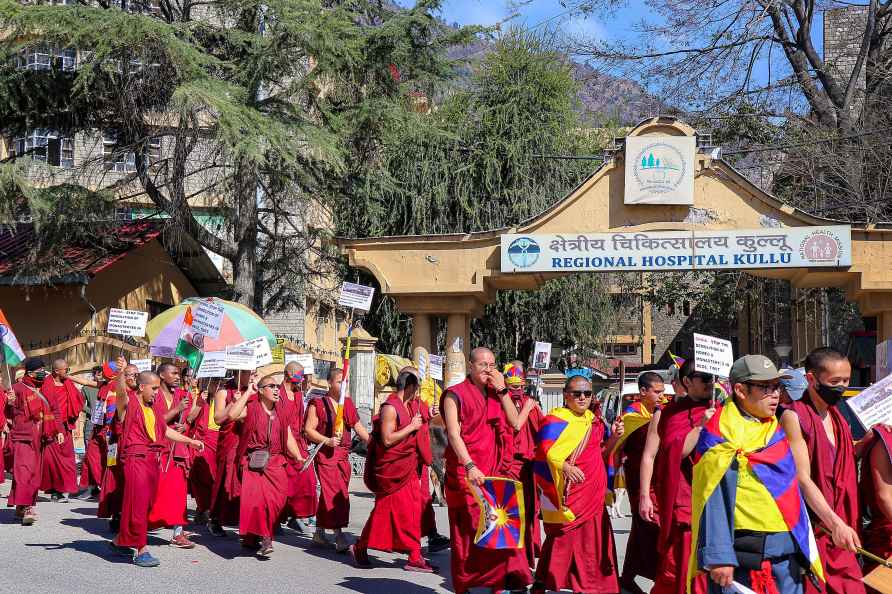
266	547
311	522
421	566
320	540
84	495
341	545
20	511
295	525
146	560
63	498
180	541
29	517
437	542
189	534
120	551
54	497
216	529
360	557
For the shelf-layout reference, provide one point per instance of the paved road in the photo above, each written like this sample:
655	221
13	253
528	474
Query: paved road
66	551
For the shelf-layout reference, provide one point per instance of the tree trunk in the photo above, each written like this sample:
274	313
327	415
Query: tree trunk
244	230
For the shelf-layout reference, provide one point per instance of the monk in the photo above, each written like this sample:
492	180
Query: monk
641	549
302	500
224	500
332	461
473	416
66	401
876	490
169	505
579	553
673	432
33	426
91	467
111	493
391	474
203	472
821	442
143	438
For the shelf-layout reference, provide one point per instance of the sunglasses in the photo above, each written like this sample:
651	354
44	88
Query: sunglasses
266	386
577	394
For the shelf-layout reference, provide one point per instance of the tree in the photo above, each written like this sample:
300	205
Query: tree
479	161
247	112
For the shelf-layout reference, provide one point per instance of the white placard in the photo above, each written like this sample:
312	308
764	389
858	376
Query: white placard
142	364
127	322
422	366
213	364
263	355
740	249
874	404
358	296
436	367
304	359
240	357
207	319
882	365
713	355
542	355
660	169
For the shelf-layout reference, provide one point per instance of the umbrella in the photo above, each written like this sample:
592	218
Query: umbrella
240	323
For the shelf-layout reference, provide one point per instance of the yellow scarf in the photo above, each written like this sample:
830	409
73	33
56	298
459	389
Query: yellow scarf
212	424
148	417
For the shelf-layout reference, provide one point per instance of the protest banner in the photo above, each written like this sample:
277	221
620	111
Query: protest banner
356	296
207	319
436	367
127	322
874	404
304	359
240	357
263	354
713	355
542	355
142	364
212	365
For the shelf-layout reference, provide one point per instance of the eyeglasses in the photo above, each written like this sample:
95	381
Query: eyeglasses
577	394
767	388
266	386
484	366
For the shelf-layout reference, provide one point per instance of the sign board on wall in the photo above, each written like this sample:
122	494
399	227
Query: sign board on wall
660	169
782	247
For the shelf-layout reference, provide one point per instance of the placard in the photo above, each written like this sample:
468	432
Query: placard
660	169
240	357
542	355
422	365
207	319
142	364
874	404
882	364
263	354
127	322
436	367
713	355
304	359
358	296
213	364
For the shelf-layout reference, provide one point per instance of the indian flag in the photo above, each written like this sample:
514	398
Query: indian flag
189	345
12	350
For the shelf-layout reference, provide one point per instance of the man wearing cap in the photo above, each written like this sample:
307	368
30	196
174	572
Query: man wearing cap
747	511
792	387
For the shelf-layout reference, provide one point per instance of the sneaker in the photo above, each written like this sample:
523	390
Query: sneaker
360	557
437	542
146	560
84	495
54	497
295	525
311	522
180	541
63	498
29	517
216	529
266	547
320	540
420	566
341	545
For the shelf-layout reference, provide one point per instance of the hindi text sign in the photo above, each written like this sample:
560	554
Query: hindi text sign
713	355
127	322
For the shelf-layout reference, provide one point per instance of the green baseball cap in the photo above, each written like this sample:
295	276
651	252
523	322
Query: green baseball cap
757	368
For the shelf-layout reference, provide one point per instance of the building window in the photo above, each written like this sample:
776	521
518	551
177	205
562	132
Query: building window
42	57
115	159
46	146
622	349
153	150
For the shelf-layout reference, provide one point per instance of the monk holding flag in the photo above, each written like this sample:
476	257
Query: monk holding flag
66	401
579	553
111	493
473	416
749	521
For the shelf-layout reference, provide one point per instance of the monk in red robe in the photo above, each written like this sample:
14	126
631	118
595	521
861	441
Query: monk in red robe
169	505
144	437
821	442
876	491
59	467
91	466
5	393
473	415
391	474
111	493
33	426
224	499
674	432
332	461
203	472
580	554
641	549
302	500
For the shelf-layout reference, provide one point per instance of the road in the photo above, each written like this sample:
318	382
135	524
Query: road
67	551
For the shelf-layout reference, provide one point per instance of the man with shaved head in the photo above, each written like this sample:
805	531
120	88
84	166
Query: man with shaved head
66	402
111	493
474	416
301	501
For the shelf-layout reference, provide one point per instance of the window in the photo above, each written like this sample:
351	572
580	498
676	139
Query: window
622	349
42	57
115	159
46	146
153	150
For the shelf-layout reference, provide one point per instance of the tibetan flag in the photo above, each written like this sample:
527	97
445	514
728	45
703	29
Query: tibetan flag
767	498
190	343
501	524
635	416
12	350
561	437
345	380
676	360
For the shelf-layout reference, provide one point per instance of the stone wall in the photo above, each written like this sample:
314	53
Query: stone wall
843	34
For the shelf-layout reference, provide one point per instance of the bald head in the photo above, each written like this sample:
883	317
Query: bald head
479	352
293	367
146	377
60	368
483	365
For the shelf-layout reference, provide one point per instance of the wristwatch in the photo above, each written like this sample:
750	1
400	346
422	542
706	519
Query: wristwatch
503	391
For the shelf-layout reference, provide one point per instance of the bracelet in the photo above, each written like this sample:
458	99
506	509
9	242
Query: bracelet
469	465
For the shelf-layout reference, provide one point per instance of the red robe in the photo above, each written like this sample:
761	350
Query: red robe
833	470
111	493
263	493
4	440
425	457
33	425
140	455
333	465
521	469
473	566
641	550
169	504
391	474
203	472
95	449
673	474
224	500
59	466
877	534
581	555
302	499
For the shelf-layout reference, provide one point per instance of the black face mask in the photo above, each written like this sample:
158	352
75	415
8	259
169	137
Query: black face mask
40	376
830	394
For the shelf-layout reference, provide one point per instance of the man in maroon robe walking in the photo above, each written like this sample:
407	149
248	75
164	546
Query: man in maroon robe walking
302	500
66	401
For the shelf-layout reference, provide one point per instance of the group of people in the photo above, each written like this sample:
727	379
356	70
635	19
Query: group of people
762	489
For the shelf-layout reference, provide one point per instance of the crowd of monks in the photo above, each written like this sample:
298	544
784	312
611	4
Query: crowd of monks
254	453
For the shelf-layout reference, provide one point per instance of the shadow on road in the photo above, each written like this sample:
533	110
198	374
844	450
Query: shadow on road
98	548
373	585
99	527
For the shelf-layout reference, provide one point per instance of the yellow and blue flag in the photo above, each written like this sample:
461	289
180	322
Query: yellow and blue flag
561	435
502	521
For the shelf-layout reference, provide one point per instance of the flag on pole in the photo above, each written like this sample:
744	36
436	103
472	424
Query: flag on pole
12	350
345	379
189	345
676	360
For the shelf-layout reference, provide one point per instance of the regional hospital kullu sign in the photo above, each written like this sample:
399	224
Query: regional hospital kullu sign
778	247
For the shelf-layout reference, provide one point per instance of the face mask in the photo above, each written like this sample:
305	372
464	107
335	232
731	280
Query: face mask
830	394
40	376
